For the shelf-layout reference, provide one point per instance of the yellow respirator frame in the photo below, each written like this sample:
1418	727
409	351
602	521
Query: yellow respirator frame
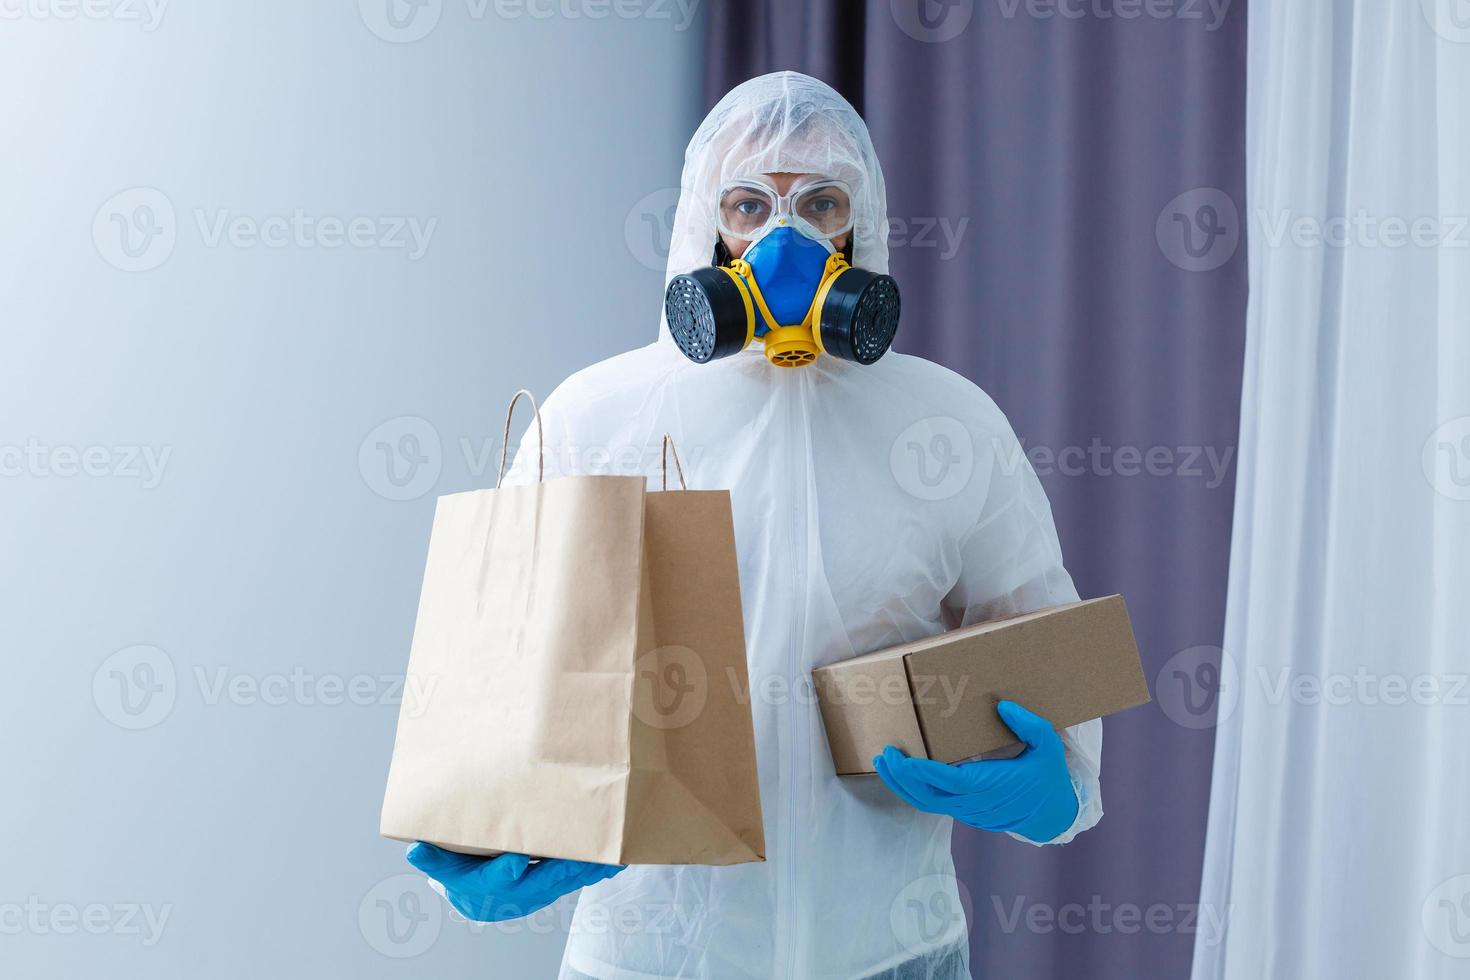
792	345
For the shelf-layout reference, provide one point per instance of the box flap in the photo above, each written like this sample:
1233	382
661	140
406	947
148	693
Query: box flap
1068	664
866	704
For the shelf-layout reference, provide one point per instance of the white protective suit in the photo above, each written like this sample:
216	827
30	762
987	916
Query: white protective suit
872	505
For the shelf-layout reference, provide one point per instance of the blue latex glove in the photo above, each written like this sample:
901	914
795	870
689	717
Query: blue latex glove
1030	795
505	887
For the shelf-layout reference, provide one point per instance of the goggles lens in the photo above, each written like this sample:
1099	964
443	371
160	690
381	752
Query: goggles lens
747	207
827	207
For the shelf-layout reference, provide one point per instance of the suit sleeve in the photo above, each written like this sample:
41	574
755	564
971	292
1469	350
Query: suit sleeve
1011	562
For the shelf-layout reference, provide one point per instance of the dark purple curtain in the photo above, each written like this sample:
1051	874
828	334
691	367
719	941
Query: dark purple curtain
1061	175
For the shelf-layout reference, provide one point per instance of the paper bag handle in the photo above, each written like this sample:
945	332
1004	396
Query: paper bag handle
669	448
540	438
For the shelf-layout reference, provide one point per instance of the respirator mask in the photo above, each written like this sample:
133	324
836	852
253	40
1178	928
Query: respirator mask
790	289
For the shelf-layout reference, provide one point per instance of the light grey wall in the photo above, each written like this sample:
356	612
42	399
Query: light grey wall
202	563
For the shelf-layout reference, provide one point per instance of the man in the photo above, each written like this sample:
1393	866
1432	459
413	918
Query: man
849	540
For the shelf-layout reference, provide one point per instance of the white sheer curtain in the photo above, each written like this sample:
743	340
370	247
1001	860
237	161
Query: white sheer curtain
1339	837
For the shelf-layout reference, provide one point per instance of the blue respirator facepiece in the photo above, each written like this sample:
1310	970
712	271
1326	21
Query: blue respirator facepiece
789	268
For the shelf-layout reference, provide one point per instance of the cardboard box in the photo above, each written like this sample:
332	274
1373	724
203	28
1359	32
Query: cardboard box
935	698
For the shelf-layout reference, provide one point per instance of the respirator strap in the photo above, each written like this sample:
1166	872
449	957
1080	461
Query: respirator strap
836	264
745	283
742	272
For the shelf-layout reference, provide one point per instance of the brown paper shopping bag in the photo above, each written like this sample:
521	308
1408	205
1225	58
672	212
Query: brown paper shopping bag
583	642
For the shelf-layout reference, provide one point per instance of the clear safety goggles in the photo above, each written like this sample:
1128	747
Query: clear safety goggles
821	209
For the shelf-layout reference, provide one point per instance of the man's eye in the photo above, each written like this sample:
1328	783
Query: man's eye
749	208
822	204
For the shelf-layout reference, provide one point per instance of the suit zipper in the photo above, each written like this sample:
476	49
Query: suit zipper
798	566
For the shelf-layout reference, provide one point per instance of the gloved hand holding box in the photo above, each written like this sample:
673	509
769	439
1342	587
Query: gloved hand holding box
936	698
